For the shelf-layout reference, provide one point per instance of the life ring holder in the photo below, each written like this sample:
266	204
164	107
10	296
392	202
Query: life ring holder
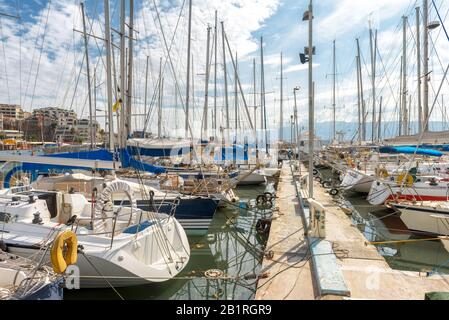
104	222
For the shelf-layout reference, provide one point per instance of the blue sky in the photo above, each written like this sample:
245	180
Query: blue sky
280	22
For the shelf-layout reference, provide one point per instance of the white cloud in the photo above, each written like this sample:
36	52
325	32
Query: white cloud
300	67
50	79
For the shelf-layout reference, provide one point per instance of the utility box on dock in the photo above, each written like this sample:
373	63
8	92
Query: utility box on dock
317	225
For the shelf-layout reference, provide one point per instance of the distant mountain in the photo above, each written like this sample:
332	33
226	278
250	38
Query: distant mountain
350	129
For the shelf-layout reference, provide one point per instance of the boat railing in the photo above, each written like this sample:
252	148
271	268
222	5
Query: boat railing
116	218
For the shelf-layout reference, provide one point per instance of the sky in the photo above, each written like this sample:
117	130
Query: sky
42	58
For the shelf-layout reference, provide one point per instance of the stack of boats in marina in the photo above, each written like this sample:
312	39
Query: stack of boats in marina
123	211
413	181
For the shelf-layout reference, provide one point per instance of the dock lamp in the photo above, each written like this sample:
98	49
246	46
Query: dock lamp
304	57
433	25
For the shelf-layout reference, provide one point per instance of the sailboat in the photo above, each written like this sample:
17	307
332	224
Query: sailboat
194	213
120	246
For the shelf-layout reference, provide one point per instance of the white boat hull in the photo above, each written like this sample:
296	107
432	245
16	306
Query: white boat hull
424	219
382	192
132	259
254	179
356	181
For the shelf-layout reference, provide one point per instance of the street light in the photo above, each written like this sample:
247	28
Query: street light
433	25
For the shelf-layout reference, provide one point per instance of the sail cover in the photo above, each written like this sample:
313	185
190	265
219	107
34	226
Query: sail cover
411	150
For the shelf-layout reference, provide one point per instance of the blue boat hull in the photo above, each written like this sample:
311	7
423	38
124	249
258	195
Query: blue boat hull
51	291
193	214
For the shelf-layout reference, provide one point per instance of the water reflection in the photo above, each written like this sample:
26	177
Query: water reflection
231	249
381	224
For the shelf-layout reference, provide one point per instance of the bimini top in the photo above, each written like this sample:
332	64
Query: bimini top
411	150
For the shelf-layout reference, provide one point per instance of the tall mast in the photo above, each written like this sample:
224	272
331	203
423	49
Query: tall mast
89	89
128	122
418	69
401	101
122	72
334	92
146	88
426	66
359	101
109	75
236	97
373	47
189	43
362	100
192	89
281	120
263	104
255	109
225	76
295	137
95	103
159	104
379	128
404	75
214	122
206	89
255	94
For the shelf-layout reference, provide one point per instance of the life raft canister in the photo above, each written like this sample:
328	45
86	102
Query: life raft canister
60	261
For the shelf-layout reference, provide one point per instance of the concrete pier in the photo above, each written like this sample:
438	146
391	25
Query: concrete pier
289	269
366	274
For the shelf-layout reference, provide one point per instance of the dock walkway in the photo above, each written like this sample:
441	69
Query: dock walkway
289	269
365	272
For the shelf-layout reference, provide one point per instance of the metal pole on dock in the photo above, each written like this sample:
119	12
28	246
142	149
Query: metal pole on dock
311	102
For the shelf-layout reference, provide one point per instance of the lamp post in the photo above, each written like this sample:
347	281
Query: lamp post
296	89
309	52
